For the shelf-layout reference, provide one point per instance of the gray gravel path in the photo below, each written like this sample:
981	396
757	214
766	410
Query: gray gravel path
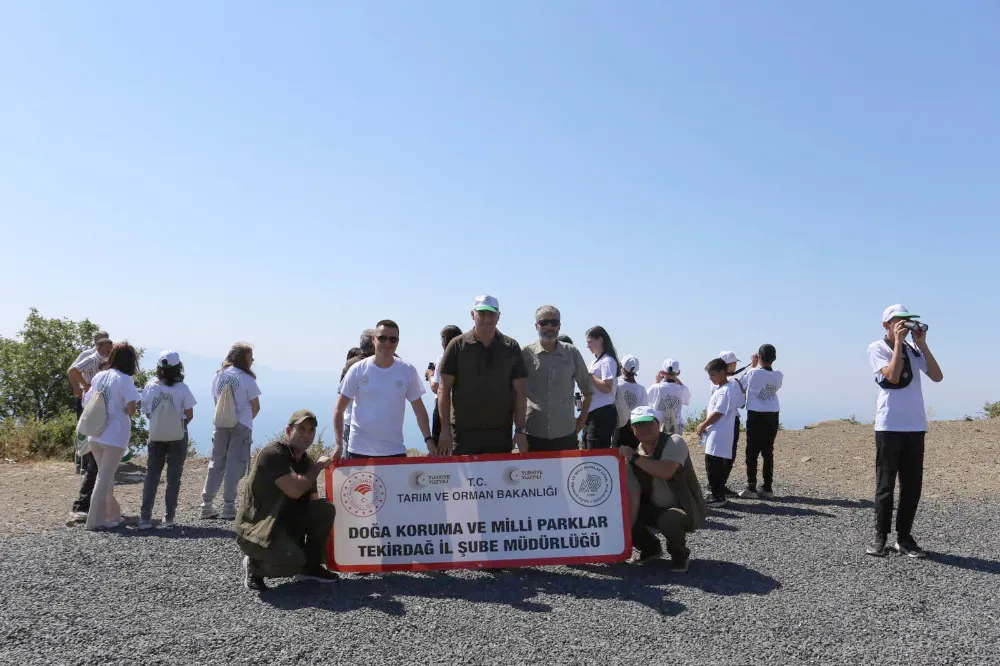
772	583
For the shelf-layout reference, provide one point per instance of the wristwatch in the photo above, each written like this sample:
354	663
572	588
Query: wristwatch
428	438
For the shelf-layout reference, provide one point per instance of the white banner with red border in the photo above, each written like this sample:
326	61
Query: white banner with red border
484	511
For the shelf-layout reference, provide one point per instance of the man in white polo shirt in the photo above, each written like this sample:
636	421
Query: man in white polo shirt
900	426
380	387
80	374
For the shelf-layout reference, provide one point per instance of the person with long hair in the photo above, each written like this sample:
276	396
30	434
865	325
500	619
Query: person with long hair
635	396
120	396
602	421
231	446
167	401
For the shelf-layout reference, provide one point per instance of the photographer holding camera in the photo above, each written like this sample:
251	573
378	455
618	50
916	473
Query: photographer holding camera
900	425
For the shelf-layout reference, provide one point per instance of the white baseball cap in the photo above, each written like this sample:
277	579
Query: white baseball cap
671	366
630	363
169	357
486	302
897	311
643	414
728	357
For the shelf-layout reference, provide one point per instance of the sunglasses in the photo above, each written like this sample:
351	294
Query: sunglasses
387	338
547	322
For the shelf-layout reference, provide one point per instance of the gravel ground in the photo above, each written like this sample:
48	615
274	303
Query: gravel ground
777	583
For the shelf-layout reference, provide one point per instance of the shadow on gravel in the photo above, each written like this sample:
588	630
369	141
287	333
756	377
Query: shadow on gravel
712	576
970	563
710	524
823	501
180	532
778	510
722	513
514	588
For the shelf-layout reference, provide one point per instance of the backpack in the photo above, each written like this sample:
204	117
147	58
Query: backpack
94	418
669	425
165	423
624	413
225	409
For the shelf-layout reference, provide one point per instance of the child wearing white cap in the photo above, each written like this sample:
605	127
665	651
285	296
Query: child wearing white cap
669	394
761	385
635	396
169	404
739	399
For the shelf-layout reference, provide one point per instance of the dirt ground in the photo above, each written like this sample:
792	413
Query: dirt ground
836	459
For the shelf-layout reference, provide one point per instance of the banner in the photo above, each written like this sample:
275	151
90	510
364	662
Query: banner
479	511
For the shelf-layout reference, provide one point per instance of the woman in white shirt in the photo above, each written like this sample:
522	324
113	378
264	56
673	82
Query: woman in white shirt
231	446
602	420
635	396
120	396
169	404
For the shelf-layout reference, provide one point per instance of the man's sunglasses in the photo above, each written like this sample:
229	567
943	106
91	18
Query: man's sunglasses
547	322
387	338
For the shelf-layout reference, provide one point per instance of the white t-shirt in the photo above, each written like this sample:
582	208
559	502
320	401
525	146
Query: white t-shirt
669	395
603	368
436	376
118	390
178	395
87	363
898	410
635	394
245	389
380	396
719	436
737	395
762	387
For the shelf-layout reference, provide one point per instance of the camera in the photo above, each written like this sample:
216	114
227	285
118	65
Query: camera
430	366
915	325
578	401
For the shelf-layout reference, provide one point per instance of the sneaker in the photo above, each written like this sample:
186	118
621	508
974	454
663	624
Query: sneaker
320	574
76	517
648	556
731	493
168	522
228	512
909	547
252	582
765	493
208	512
112	524
715	502
680	564
877	547
748	493
145	525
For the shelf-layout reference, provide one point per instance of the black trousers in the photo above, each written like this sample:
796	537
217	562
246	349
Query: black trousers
89	468
601	426
566	443
298	543
436	423
469	442
762	428
672	523
736	441
898	454
716	470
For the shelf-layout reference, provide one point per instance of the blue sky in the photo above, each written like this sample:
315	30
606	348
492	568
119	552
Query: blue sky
692	176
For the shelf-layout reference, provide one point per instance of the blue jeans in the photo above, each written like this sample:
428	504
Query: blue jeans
174	454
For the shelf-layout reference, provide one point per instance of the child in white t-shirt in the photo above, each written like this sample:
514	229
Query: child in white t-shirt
166	398
761	385
718	431
635	396
739	396
669	394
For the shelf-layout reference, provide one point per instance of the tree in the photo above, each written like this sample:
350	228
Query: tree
33	366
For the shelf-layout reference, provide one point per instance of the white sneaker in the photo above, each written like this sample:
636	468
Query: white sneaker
168	522
76	517
112	524
228	512
145	525
748	493
208	511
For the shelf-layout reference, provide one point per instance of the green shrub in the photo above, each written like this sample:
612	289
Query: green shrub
992	410
852	420
34	439
693	421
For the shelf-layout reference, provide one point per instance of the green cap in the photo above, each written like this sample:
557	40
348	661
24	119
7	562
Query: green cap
302	415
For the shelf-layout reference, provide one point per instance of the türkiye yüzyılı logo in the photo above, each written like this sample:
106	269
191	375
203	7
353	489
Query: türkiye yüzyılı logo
362	494
589	484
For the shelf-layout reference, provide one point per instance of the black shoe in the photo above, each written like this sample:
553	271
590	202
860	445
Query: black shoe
731	493
648	555
715	502
877	547
907	546
680	564
319	574
252	582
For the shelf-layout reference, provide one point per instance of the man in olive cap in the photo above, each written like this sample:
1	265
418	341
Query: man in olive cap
283	525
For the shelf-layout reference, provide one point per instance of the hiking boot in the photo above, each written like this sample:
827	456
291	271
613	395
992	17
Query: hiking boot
208	512
320	574
765	492
748	493
251	581
877	547
907	546
228	512
145	525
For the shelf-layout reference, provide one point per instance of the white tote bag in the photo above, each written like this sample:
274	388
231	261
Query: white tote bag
225	409
165	423
94	418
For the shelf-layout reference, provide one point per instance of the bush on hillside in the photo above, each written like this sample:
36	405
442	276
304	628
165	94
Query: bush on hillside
693	421
992	410
33	438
